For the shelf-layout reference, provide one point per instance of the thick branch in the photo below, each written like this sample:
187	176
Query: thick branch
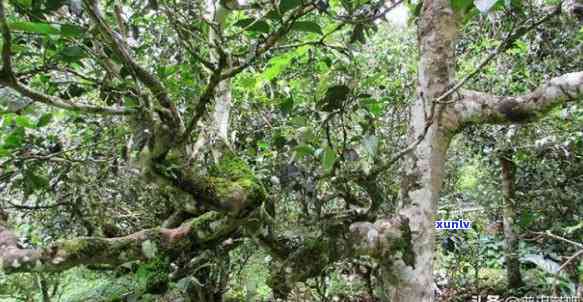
479	108
145	244
385	239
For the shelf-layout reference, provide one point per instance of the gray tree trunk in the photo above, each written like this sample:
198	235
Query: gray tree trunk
433	124
423	168
222	110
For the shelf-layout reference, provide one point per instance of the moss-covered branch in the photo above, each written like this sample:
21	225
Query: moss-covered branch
204	230
230	187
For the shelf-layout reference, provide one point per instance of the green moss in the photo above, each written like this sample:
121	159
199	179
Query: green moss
203	226
205	219
222	186
153	275
232	167
74	246
234	182
315	244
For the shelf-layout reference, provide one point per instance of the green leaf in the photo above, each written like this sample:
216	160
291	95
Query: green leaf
307	26
4	152
348	5
36	28
373	107
251	24
247	82
276	66
304	150
69	30
263	145
286	5
23	121
335	97
305	134
286	105
46	28
279	140
461	5
37	182
44	120
526	219
273	15
358	34
53	5
72	52
414	8
15	139
25	3
130	102
328	159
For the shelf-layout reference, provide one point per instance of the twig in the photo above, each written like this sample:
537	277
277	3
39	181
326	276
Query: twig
549	234
564	265
23	207
218	75
346	19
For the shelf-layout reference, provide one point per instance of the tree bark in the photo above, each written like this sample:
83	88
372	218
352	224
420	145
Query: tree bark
423	168
218	13
205	230
481	108
509	214
435	123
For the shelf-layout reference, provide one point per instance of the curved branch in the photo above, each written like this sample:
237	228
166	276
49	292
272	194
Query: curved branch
65	254
232	188
482	108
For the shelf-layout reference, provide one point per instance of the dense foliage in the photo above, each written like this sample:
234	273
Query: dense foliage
110	150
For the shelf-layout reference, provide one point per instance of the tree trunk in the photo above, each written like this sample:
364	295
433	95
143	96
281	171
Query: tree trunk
222	110
421	184
423	168
510	237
